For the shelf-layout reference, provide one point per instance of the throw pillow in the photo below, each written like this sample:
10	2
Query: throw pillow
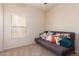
67	35
44	36
66	42
58	39
49	38
58	34
53	38
49	33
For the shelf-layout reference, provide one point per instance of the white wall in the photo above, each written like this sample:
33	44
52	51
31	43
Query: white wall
64	17
35	19
1	28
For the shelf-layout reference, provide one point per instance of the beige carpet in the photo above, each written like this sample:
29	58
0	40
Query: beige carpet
31	50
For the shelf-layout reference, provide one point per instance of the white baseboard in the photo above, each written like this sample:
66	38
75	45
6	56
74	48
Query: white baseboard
28	43
31	42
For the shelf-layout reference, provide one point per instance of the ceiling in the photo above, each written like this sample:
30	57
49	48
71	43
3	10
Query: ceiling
42	6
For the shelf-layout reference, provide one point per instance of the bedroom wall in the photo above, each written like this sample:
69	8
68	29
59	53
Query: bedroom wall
64	17
35	19
1	27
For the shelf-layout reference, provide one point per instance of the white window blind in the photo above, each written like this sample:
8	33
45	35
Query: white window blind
18	27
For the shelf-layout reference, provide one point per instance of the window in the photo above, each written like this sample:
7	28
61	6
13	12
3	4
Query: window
18	27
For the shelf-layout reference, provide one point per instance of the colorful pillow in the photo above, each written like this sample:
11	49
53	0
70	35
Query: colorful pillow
58	34
63	35
43	36
67	35
58	39
66	42
49	33
53	38
49	38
